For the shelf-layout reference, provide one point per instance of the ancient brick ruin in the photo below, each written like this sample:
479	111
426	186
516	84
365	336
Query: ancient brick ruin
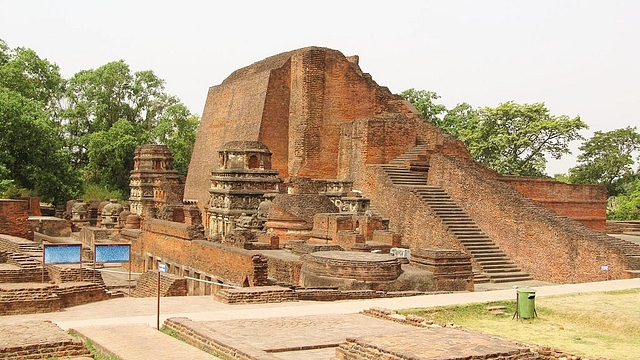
323	119
308	175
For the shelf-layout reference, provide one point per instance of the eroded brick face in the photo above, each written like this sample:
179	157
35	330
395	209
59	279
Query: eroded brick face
13	218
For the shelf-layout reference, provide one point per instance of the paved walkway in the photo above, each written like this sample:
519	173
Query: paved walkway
139	341
120	313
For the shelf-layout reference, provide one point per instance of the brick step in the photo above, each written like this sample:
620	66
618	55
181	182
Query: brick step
500	262
504	270
510	277
492	256
491	247
480	278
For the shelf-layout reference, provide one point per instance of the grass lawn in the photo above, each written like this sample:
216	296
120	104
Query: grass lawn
592	325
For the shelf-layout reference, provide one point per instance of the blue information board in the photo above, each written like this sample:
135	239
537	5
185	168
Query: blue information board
110	253
62	253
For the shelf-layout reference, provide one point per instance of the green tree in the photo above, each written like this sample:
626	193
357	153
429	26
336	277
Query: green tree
607	158
23	71
177	128
423	101
31	148
110	154
626	206
461	121
97	99
510	138
515	138
31	151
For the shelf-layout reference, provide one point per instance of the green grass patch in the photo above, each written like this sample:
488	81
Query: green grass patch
593	325
97	354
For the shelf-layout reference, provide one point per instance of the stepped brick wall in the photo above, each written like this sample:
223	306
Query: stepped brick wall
62	274
584	203
408	215
11	243
28	299
295	103
23	276
172	242
13	218
170	285
540	241
72	294
29	340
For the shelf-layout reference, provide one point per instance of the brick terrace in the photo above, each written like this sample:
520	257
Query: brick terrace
318	337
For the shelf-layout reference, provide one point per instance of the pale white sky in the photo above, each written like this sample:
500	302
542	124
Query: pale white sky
579	57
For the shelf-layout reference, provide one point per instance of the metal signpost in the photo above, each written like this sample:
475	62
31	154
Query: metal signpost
162	268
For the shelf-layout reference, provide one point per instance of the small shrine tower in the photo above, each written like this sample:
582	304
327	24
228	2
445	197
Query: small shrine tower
238	186
154	183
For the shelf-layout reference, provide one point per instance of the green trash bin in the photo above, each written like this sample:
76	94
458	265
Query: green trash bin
526	303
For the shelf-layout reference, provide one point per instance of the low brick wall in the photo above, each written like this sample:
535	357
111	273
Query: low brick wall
14	215
39	340
50	226
24	276
18	299
256	295
170	285
170	242
72	294
61	274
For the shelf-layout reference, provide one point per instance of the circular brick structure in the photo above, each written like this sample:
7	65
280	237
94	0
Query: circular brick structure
351	265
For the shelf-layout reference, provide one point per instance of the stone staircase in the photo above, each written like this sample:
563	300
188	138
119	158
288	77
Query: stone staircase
28	257
494	263
409	170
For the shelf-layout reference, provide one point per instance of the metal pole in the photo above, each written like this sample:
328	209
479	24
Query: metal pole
158	313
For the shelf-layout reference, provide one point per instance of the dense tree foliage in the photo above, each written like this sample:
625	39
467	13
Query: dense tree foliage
510	138
32	156
97	99
55	132
607	158
626	206
177	128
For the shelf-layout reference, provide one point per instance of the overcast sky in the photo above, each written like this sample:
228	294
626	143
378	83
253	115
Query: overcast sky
579	57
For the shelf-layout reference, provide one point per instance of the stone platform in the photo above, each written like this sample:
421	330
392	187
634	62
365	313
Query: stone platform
39	340
325	337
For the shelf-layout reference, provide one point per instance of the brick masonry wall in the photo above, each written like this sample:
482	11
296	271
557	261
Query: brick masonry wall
23	276
14	218
408	215
50	226
166	241
233	111
536	238
170	285
584	203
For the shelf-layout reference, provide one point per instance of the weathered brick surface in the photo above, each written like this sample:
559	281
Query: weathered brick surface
23	275
171	242
50	226
14	217
256	295
584	203
170	285
38	340
408	215
548	247
295	103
